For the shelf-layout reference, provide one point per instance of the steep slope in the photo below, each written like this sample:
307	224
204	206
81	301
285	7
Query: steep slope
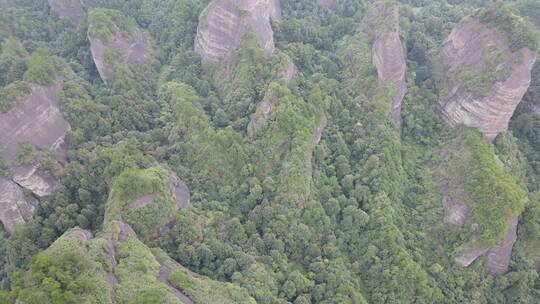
482	198
160	195
485	70
15	207
223	24
116	266
33	148
114	39
388	52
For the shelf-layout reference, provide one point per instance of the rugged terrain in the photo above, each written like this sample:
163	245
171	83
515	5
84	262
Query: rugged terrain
388	53
120	42
34	131
224	23
484	77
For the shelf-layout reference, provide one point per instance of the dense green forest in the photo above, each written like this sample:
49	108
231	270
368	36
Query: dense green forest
277	212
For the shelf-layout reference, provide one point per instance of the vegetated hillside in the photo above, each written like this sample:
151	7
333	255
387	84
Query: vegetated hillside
270	151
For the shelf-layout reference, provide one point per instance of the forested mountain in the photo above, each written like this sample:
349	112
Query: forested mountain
269	151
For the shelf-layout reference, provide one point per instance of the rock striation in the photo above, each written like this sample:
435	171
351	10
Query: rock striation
388	53
67	9
37	124
224	23
123	47
484	78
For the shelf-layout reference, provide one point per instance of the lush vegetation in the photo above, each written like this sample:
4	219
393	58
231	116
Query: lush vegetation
106	23
11	94
42	68
519	33
275	217
493	195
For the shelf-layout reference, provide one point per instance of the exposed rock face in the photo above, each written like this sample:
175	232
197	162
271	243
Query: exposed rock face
224	23
67	9
498	258
131	51
389	55
474	48
455	212
15	208
182	195
38	121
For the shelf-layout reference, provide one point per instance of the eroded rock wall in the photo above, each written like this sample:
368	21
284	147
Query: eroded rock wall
483	78
38	122
131	51
388	53
224	23
498	258
15	207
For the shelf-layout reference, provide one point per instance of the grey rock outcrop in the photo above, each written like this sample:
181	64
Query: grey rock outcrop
15	207
388	53
37	121
131	51
498	258
472	51
455	210
67	9
224	23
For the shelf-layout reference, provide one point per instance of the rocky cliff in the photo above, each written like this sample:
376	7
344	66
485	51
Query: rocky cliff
484	77
388	52
482	197
498	258
224	23
115	39
15	207
67	9
32	144
119	267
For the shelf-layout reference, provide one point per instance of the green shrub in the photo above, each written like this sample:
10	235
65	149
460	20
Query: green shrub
519	31
11	94
105	23
493	196
42	68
